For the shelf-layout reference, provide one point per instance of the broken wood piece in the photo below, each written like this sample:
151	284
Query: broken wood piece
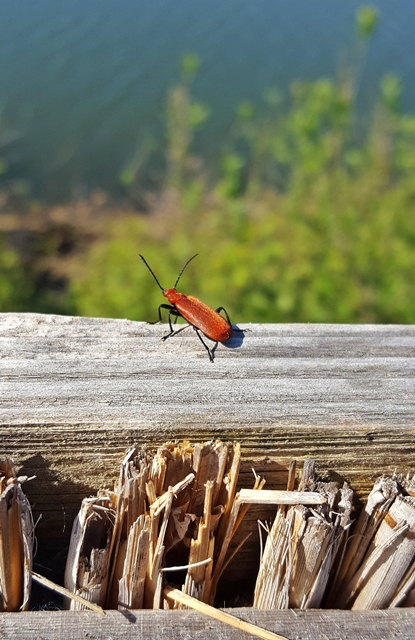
317	536
304	546
388	560
405	594
217	468
152	595
271	496
87	568
342	523
156	518
179	597
243	509
159	503
135	554
274	575
197	581
130	536
378	502
16	541
65	592
186	566
262	496
312	539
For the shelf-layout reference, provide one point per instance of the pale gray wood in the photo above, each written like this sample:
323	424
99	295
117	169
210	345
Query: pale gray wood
75	392
324	390
188	625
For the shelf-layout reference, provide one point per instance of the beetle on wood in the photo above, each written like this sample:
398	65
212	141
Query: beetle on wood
202	318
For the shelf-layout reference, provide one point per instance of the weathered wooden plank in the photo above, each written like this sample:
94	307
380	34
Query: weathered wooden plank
69	384
75	392
392	624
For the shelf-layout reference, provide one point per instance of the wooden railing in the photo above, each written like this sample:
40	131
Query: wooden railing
76	392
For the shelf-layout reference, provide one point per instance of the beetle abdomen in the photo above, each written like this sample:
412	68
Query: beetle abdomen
209	321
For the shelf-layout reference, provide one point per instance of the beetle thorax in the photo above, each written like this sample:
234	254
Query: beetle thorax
173	296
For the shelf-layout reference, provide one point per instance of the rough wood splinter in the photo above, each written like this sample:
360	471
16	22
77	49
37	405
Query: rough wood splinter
16	540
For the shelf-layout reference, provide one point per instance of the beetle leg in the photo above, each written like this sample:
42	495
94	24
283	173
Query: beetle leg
164	306
182	328
219	309
210	351
173	312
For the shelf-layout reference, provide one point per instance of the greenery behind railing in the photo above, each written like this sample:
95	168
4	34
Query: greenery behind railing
308	219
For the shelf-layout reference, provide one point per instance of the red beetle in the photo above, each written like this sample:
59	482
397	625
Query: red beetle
201	317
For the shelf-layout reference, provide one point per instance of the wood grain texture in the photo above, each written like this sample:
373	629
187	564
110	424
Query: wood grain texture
392	624
76	392
79	390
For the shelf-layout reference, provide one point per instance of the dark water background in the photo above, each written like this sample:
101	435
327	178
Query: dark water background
83	82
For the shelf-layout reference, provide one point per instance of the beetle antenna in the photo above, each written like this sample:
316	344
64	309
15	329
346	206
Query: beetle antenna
151	271
180	274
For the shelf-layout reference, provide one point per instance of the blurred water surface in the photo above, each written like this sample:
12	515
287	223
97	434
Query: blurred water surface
83	82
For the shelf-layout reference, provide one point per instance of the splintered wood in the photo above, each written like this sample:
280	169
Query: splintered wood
310	559
161	539
87	566
16	541
379	568
168	514
304	547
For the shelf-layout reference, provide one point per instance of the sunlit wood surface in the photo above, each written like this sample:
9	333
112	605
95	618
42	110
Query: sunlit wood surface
76	392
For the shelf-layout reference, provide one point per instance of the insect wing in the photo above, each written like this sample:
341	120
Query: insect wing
211	323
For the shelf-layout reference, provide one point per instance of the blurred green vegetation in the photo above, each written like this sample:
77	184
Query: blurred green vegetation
307	221
15	286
